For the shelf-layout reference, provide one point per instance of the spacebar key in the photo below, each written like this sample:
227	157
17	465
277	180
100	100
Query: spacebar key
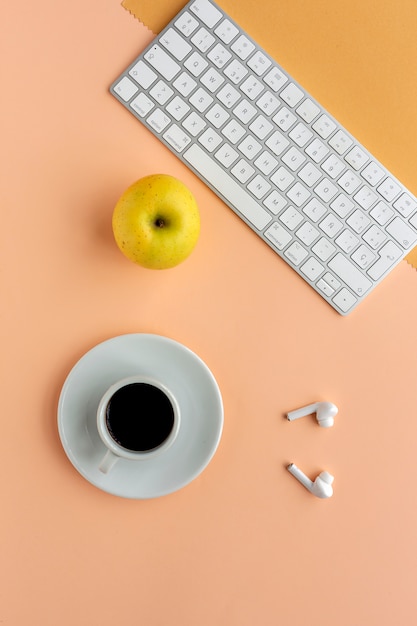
227	187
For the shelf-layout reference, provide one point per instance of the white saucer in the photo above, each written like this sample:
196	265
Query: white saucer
183	372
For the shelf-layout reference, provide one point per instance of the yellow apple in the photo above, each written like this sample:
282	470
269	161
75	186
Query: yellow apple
156	222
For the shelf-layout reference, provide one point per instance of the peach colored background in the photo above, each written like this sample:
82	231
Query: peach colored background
243	544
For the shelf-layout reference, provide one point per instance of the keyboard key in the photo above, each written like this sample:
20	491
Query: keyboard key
333	166
307	233
235	71
363	256
349	274
298	194
373	173
317	150
381	213
347	241
203	40
324	126
161	92
227	187
158	120
356	158
249	147
184	84
194	124
142	105
261	127
325	287
196	64
242	47
389	255
206	12
365	197
219	55
217	115
291	218
309	174
212	79
226	155
186	24
330	225
244	111
210	139
201	100
342	205
233	131
268	103
389	189
284	119
292	95
259	186
228	95
177	108
358	221
277	143
275	202
278	236
405	205
374	236
301	135
251	87
259	63
242	171
323	249
162	62
340	142
293	158
344	300
402	233
332	281
282	178
308	110
143	75
275	79
296	253
349	182
326	190
175	44
226	31
125	88
176	138
312	268
314	210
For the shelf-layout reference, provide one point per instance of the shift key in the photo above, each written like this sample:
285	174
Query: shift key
350	274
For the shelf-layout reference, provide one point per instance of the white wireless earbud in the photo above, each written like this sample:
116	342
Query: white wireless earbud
321	487
325	412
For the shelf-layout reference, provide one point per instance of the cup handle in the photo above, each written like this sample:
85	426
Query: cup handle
107	462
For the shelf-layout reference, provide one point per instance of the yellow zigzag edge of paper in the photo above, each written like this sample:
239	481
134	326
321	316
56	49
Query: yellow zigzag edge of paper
412	258
154	15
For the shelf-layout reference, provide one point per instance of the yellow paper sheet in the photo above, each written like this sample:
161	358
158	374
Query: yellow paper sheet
155	14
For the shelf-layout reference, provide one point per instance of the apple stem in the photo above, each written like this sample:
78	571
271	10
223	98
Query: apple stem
159	222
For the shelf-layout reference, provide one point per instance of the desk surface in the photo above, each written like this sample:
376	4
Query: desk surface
243	544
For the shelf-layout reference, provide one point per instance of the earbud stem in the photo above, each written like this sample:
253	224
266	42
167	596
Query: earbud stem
300	476
305	410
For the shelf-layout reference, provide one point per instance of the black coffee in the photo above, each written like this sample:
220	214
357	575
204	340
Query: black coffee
139	417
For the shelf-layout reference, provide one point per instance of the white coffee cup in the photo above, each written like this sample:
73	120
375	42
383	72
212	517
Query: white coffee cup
137	418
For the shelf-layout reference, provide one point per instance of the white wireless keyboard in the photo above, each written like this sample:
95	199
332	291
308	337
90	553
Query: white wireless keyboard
286	167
